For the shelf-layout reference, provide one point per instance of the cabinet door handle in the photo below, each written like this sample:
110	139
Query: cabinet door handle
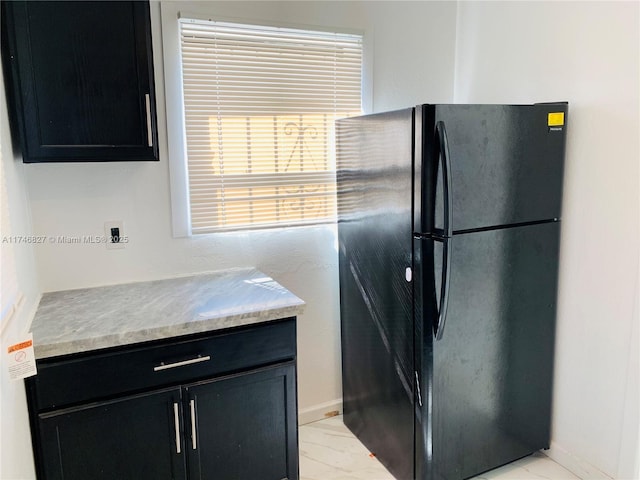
192	406
147	104
198	359
176	421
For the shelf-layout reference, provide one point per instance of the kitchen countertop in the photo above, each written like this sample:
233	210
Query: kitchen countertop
87	319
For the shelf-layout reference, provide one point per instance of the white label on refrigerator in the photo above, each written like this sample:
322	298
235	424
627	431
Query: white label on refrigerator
408	274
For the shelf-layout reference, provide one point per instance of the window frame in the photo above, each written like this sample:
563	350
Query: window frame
176	134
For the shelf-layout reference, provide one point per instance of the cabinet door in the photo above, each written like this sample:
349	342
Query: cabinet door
82	80
133	438
244	427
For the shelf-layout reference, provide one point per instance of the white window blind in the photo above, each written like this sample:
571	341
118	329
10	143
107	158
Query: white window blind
260	104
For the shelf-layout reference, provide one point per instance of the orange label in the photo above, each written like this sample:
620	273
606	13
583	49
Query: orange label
20	346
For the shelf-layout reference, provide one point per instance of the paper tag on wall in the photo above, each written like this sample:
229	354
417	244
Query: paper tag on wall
21	359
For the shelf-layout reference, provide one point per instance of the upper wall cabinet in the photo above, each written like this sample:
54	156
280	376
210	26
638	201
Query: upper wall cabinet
79	78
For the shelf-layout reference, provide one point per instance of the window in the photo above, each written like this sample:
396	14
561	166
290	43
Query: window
259	109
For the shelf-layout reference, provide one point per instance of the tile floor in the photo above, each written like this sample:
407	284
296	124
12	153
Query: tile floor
329	451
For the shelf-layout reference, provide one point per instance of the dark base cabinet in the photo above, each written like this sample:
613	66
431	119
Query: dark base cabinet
124	438
240	424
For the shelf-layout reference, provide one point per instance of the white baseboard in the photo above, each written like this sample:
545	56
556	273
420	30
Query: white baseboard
319	411
576	465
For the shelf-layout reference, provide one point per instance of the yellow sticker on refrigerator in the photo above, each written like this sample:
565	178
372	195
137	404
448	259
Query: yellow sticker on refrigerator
555	119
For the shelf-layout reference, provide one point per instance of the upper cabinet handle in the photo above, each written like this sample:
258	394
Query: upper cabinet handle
147	104
198	359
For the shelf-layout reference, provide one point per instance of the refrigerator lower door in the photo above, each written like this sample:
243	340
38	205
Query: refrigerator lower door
491	372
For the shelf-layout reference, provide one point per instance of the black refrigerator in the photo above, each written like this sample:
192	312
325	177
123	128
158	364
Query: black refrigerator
449	231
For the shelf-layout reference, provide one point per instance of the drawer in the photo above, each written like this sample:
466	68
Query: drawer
61	382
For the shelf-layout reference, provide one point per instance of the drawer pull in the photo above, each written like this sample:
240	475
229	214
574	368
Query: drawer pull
176	421
192	405
162	366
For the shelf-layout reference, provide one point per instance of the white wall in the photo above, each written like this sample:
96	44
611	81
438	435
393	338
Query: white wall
412	63
586	53
15	441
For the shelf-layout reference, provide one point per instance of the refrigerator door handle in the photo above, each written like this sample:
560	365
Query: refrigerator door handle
443	144
444	290
447	226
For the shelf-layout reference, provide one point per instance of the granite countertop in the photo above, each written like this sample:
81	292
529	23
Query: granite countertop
87	319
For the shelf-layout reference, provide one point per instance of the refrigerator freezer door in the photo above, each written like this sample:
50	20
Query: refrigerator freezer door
374	162
491	372
506	164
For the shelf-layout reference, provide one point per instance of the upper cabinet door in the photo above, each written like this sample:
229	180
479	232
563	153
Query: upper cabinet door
79	80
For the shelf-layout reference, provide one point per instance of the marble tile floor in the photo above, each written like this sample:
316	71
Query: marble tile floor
329	451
